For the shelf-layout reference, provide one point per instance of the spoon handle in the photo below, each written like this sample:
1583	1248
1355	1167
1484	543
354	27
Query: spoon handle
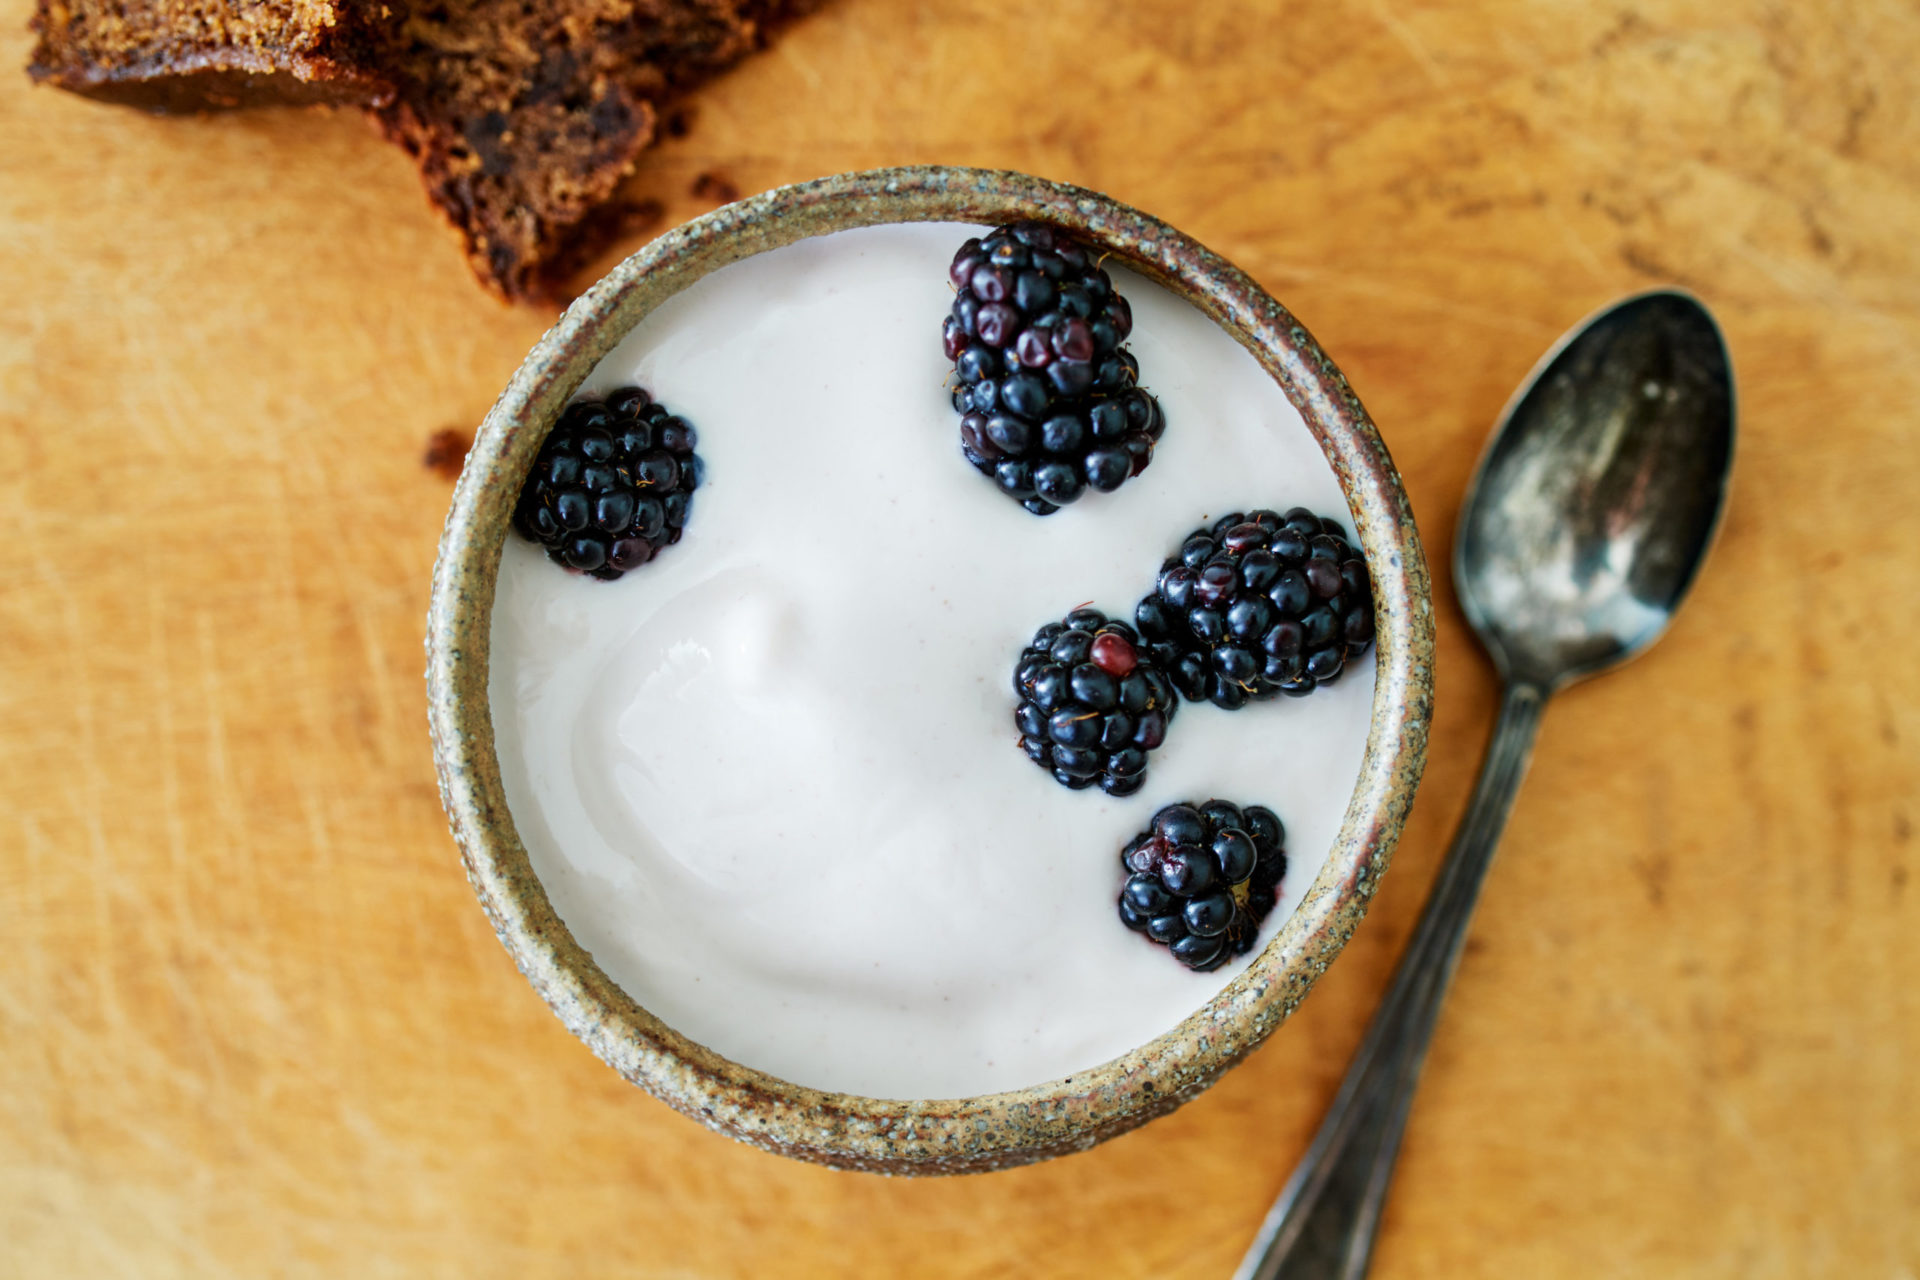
1323	1225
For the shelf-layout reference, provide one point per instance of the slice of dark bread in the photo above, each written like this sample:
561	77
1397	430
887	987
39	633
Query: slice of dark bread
195	55
523	115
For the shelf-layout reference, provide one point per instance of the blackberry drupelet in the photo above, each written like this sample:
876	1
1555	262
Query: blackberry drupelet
1201	878
1258	605
1044	385
612	485
1091	703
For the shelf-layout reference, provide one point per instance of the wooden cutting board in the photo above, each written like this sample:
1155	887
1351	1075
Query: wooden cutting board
252	1022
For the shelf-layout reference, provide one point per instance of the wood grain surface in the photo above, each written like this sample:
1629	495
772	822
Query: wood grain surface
252	1022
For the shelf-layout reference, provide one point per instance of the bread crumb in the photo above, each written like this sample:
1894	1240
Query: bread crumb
445	453
715	187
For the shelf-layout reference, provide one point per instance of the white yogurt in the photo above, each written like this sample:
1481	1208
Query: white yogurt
771	780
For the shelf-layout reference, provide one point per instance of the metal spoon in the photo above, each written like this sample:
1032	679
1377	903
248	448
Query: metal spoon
1591	512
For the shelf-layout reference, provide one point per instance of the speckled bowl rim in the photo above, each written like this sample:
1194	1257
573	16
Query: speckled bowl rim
928	1136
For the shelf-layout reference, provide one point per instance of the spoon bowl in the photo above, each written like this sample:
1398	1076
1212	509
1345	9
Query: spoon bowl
1593	506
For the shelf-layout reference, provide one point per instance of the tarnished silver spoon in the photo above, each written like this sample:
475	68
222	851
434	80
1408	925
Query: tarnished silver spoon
1582	530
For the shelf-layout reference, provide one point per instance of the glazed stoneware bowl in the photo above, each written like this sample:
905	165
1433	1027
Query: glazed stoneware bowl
939	1135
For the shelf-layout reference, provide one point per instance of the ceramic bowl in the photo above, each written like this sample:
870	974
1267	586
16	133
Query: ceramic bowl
946	1135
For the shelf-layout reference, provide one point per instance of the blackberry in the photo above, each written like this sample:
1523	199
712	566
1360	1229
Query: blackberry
1046	390
1091	703
612	485
1201	878
1258	605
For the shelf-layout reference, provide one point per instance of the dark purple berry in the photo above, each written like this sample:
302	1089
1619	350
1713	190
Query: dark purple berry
1188	870
1037	334
1196	952
1077	762
610	486
1145	894
1107	469
1114	654
1209	917
1179	824
1150	730
629	553
999	323
1015	477
1253	606
1263	825
1233	850
584	554
1058	483
1063	434
1091	705
1202	878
